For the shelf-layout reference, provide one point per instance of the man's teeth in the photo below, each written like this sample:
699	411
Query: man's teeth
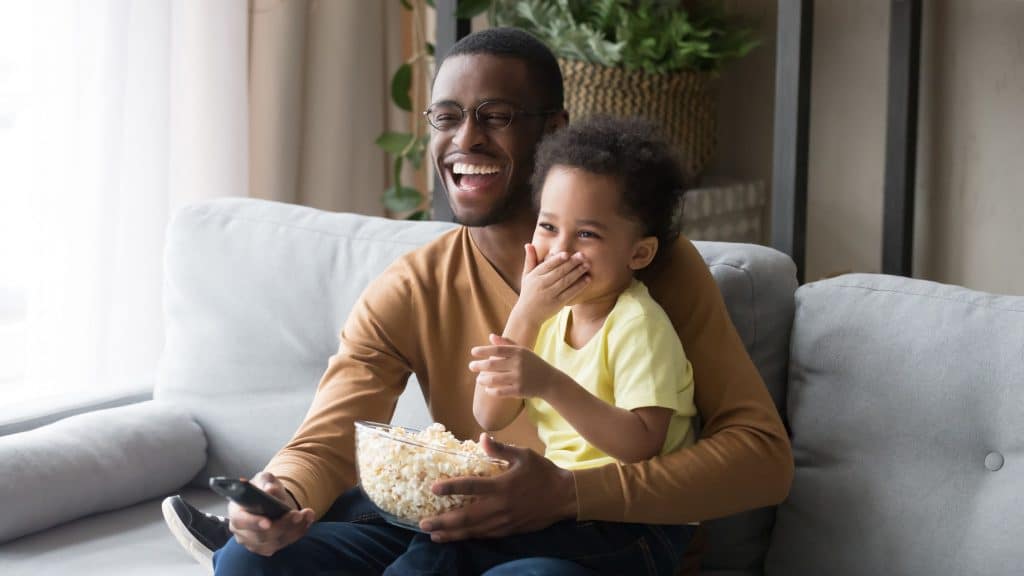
461	168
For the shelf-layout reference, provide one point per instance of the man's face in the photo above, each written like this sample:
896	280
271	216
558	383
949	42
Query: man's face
486	171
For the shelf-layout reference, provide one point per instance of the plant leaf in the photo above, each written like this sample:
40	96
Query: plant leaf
402	198
406	5
397	171
417	152
470	8
655	35
400	85
430	48
418	215
394	142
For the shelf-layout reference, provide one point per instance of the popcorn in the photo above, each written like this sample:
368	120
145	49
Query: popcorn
397	467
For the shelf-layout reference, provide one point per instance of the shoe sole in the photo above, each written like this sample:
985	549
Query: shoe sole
198	552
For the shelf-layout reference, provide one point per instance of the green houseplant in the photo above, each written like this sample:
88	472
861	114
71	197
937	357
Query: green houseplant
652	58
657	36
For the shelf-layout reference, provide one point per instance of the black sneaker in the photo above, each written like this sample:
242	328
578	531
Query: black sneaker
199	533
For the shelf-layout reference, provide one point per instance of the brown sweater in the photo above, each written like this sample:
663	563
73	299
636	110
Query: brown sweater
426	311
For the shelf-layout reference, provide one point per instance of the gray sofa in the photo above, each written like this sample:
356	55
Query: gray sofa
904	399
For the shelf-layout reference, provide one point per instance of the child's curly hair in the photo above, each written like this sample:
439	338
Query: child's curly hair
630	150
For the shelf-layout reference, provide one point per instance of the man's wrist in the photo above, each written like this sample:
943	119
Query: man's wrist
570	506
295	500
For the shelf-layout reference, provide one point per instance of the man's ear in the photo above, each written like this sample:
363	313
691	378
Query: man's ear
556	122
643	253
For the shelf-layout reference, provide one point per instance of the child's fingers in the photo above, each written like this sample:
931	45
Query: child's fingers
492	364
501	388
571	279
501	340
550	263
503	391
551	279
573	292
482	351
493	380
531	260
570	292
502	351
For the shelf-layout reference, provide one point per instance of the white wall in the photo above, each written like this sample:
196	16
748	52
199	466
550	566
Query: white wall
971	147
971	151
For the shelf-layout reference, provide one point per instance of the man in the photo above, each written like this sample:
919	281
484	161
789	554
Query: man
495	96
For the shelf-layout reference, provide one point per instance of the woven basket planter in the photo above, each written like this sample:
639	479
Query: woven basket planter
679	102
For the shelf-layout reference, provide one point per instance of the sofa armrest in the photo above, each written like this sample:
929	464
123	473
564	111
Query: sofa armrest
95	462
25	416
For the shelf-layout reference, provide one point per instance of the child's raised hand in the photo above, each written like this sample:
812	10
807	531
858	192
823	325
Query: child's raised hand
508	370
549	285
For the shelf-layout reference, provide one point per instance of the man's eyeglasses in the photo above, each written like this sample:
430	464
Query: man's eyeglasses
491	115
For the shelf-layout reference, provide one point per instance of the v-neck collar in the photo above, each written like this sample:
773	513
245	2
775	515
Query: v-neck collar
488	273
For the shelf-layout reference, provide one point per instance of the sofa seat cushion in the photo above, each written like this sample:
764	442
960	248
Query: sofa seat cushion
906	407
127	542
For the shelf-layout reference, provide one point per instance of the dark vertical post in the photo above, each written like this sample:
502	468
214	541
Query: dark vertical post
901	137
792	119
449	30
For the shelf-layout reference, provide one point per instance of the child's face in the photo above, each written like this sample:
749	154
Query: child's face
580	212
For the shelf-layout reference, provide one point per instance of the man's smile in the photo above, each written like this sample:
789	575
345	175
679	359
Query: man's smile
473	176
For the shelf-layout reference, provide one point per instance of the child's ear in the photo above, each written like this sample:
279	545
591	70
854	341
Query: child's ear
643	253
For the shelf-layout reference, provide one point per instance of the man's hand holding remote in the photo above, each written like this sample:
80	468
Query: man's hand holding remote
262	535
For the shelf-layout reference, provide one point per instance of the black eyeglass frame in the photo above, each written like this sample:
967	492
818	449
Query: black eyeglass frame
516	111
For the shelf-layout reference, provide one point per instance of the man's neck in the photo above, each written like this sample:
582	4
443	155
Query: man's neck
502	245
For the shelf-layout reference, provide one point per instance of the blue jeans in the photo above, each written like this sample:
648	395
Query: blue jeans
594	547
352	539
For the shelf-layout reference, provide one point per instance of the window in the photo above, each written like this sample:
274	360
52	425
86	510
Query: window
83	195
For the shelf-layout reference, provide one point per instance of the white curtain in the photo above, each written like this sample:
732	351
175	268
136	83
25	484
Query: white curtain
319	77
112	113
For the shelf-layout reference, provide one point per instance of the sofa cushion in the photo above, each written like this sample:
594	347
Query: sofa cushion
757	284
131	541
255	294
906	408
95	462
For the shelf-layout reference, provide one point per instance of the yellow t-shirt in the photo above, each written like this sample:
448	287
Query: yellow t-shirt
634	361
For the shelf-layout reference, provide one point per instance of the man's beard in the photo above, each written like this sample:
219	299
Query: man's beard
509	206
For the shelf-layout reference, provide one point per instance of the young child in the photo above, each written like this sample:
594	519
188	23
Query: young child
586	351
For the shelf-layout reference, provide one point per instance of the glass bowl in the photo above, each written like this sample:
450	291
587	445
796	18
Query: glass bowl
397	466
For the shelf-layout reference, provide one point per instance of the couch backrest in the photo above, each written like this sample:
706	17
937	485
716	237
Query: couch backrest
906	408
256	292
